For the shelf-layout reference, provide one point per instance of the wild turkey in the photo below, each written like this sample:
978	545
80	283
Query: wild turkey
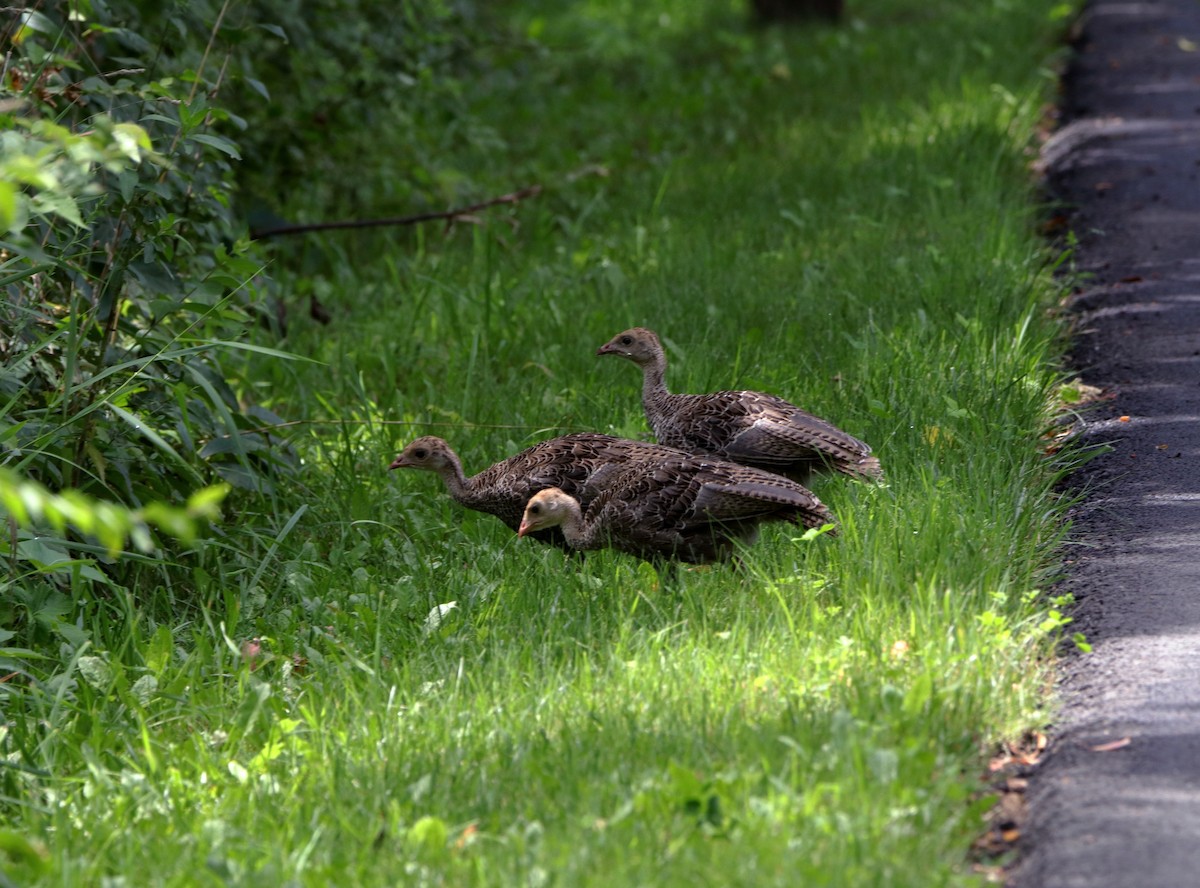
751	428
688	508
568	462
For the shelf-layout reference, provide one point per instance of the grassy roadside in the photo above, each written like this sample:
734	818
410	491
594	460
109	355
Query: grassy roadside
839	216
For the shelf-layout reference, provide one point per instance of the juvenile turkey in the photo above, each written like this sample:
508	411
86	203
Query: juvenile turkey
751	428
568	462
689	508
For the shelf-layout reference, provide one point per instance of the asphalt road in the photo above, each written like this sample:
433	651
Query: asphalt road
1116	800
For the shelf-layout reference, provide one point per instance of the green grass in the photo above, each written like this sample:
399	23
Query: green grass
840	216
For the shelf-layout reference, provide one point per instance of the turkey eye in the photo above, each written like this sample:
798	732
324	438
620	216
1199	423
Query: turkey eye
626	340
537	510
420	453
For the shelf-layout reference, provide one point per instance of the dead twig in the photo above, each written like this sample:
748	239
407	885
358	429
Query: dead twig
462	213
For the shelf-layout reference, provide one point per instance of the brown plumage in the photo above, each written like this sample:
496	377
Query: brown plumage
689	508
568	462
751	428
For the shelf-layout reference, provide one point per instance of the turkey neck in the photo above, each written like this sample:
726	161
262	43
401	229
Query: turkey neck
577	535
654	389
456	481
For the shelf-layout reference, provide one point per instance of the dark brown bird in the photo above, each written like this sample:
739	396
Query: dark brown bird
751	428
569	462
688	508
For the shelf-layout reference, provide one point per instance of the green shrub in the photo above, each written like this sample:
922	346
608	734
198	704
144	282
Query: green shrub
322	84
128	281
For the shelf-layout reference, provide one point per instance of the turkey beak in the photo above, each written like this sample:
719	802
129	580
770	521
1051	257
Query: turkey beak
603	350
398	463
523	529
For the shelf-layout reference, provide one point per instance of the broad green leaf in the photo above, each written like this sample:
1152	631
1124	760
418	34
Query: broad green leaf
8	206
47	556
259	87
206	500
174	521
158	654
32	21
232	444
132	140
221	144
276	30
58	203
96	672
144	689
156	439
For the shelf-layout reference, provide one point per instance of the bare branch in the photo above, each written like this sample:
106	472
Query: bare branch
460	214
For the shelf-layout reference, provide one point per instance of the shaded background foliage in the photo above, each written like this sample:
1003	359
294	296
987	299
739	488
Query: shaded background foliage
315	88
141	143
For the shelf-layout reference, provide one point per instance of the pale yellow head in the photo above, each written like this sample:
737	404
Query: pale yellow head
547	508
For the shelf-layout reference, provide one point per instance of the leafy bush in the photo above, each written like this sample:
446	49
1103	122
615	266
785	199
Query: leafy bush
324	84
127	279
